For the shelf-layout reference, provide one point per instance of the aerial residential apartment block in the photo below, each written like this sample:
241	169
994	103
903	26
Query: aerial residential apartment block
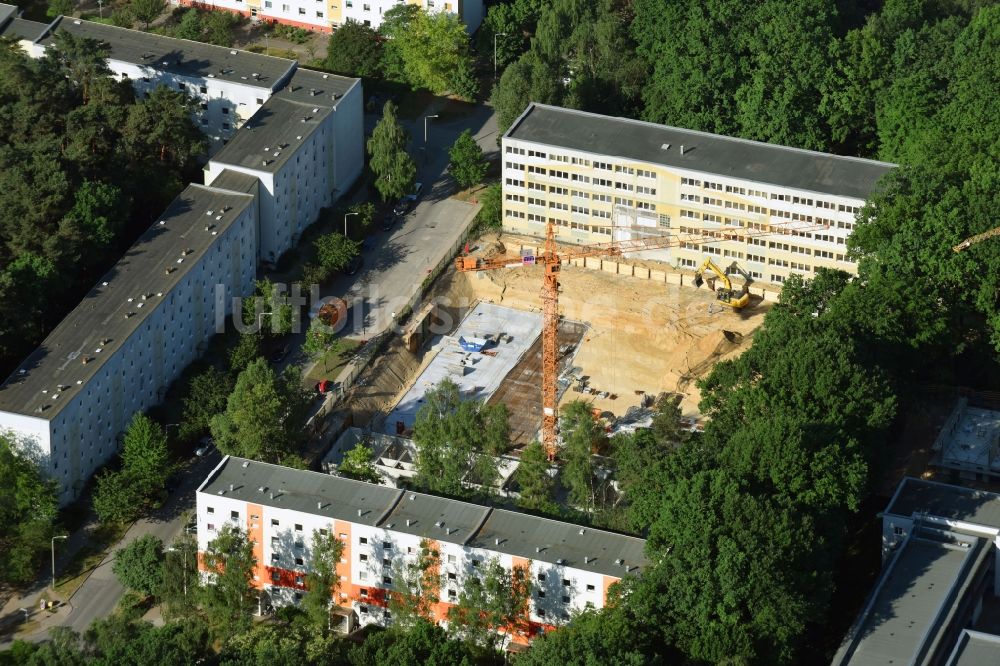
288	142
600	178
305	146
937	600
328	15
137	329
229	85
571	567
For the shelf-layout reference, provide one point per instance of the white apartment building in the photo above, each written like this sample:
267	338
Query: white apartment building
599	178
229	85
305	146
328	15
939	588
571	567
137	329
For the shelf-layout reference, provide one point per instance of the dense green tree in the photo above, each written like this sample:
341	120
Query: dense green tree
220	27
229	598
118	639
206	396
503	21
59	8
450	433
334	251
147	11
321	339
271	309
431	46
162	126
354	50
530	79
125	495
189	27
416	586
27	510
181	585
497	598
420	644
322	581
264	415
490	214
581	435
393	167
536	484
268	645
245	352
358	464
139	565
467	164
593	638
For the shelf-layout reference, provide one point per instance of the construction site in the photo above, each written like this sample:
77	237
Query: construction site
620	341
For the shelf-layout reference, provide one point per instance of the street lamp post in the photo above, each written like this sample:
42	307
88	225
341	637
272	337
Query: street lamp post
345	222
64	536
100	8
495	35
259	316
426	118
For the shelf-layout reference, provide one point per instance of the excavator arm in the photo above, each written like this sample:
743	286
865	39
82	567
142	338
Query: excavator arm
972	240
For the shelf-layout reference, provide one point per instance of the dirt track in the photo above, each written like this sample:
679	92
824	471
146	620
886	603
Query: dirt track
643	336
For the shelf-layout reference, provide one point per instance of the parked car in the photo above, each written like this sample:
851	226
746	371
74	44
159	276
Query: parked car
279	355
401	208
354	265
204	447
413	196
388	221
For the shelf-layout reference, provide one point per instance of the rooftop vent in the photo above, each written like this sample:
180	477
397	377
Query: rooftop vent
230	487
312	92
496	542
582	531
326	76
665	146
105	341
165	63
439	524
412	497
408	522
246	463
266	162
221	492
389	526
538	549
42	408
587	559
181	260
319	505
104	284
315	110
169	270
272	495
560	561
256	76
619	561
99	350
162	222
211	76
232	52
682	149
299	137
77	22
361	512
79	381
128	315
210	213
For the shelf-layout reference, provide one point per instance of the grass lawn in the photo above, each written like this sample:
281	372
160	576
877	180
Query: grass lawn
330	365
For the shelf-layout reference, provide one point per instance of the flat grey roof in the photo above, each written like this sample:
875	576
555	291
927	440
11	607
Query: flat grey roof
290	116
975	648
708	153
180	56
236	181
301	490
19	29
946	501
904	621
521	534
470	524
7	12
58	361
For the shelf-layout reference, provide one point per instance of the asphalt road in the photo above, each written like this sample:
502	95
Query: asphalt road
396	261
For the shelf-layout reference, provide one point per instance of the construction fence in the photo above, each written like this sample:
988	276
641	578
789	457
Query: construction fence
663	276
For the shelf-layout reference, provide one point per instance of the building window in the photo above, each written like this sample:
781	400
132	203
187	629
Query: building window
590	588
302	11
452	594
299	561
275	557
565	582
362	540
319	14
386	562
298	527
387	545
211	509
452	575
387	580
541	612
274	541
234	515
300	544
565	600
366	7
363	557
210	527
274	522
541	578
541	594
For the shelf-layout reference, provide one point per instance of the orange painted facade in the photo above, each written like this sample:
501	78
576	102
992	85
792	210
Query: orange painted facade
255	532
314	27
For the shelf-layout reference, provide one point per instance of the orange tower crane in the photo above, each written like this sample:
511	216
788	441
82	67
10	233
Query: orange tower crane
551	259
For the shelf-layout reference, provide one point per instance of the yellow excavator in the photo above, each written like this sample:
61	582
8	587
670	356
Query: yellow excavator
726	295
